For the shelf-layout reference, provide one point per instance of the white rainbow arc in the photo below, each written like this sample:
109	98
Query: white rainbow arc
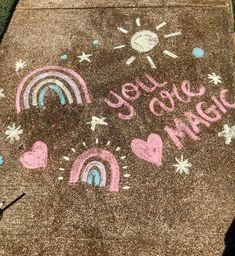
63	81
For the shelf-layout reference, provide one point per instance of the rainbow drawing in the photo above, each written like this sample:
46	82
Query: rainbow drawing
94	171
67	84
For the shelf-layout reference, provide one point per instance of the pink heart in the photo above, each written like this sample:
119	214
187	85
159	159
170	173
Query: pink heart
37	157
150	151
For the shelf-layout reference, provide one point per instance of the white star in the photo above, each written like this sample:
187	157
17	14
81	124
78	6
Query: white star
182	165
20	65
85	57
214	78
228	133
2	95
13	133
95	121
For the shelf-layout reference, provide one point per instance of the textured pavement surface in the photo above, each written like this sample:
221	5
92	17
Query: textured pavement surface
146	207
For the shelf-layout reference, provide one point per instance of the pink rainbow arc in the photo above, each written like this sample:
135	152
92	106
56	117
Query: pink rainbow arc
65	70
105	156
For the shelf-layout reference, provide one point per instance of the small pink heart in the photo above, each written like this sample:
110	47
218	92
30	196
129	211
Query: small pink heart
150	151
37	157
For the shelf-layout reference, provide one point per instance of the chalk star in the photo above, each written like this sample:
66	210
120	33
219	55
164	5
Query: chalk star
20	64
85	57
97	121
182	165
216	79
228	133
13	133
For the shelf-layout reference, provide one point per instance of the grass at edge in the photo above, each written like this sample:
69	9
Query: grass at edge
6	9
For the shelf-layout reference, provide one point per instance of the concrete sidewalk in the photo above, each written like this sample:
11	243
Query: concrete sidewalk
113	160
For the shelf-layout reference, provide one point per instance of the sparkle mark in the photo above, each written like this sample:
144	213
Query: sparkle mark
66	158
163	24
119	46
130	60
170	54
138	22
126	187
151	63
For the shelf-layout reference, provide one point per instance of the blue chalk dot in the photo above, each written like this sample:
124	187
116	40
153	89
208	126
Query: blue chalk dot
1	160
95	41
64	56
198	52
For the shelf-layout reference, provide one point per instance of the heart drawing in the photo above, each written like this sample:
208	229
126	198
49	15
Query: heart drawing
37	157
150	151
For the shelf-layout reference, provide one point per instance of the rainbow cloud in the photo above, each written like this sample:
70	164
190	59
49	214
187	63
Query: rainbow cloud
95	171
63	81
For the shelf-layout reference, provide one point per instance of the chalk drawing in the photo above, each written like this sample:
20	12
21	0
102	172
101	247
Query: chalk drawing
119	46
2	95
123	30
150	150
54	88
64	56
206	115
37	157
97	166
85	57
84	144
182	165
216	79
80	170
95	41
228	133
170	54
1	160
180	131
126	187
173	34
137	21
13	133
94	170
19	65
63	81
159	105
198	52
161	25
144	41
97	121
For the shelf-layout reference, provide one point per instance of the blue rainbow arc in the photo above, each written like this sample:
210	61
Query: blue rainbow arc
54	88
94	177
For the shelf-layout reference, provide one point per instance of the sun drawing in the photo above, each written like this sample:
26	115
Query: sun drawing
145	41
